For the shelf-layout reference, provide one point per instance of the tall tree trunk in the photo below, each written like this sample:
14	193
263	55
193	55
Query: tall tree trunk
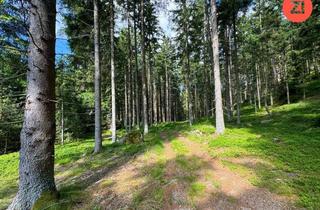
149	86
228	64
210	61
36	167
143	67
187	65
167	90
113	84
230	85
155	100
258	86
97	79
220	127
169	100
236	69
129	70
137	101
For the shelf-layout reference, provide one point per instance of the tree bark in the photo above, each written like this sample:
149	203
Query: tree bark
220	126
137	101
287	83
129	70
155	100
236	69
187	66
258	86
167	90
228	75
113	88
210	61
36	167
143	67
97	79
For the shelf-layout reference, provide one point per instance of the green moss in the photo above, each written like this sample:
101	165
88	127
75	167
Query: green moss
47	200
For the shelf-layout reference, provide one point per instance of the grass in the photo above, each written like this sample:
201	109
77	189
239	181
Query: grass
72	160
179	147
289	139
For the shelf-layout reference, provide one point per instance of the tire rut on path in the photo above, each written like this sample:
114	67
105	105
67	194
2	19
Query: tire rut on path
175	195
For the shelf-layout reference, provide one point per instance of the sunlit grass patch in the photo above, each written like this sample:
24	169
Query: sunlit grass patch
179	147
196	189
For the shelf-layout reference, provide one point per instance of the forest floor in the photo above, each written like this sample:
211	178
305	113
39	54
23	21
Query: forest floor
268	162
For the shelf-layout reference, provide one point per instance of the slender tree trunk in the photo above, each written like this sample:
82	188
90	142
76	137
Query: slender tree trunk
155	100
149	86
143	67
97	79
258	86
236	69
169	100
36	166
230	85
129	70
228	76
266	91
137	101
208	94
187	66
126	106
287	83
62	109
255	103
167	90
62	122
113	84
304	80
220	127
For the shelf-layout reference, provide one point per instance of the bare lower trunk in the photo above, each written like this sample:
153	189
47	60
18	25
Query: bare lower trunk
36	167
220	127
287	83
155	100
62	122
266	91
167	91
97	79
258	86
255	104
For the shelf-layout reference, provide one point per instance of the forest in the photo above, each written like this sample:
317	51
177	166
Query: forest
171	104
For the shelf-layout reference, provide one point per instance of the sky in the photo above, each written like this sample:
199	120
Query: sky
62	46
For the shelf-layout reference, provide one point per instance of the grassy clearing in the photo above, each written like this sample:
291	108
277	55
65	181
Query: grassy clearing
289	139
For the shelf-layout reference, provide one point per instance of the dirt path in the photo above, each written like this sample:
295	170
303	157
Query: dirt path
219	187
175	193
